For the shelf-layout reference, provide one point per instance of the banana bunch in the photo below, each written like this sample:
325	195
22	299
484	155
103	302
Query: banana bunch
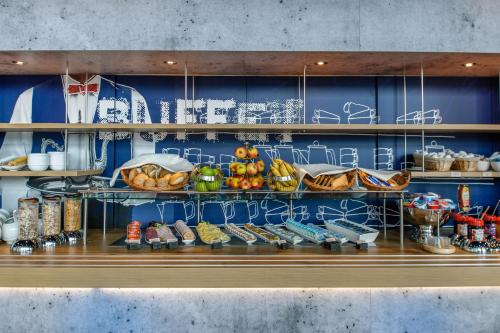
280	168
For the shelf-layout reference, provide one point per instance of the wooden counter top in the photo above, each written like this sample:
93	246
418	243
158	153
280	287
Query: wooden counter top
387	265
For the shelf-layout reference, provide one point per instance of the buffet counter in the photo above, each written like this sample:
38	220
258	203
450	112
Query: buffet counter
100	265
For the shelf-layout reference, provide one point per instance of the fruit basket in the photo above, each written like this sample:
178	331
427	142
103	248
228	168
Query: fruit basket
151	177
397	183
282	176
246	171
206	178
338	182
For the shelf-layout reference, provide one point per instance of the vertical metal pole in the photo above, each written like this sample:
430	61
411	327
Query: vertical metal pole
290	207
198	208
105	215
304	92
66	118
422	108
192	99
85	218
185	91
401	222
385	217
405	112
84	120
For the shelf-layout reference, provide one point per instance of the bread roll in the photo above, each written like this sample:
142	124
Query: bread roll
150	182
140	179
176	178
131	175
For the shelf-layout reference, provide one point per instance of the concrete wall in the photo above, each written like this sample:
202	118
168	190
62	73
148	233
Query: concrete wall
279	25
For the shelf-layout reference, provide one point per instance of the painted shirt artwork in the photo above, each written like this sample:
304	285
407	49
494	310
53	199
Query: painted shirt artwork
248	100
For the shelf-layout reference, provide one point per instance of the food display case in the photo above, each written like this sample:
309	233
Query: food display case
240	174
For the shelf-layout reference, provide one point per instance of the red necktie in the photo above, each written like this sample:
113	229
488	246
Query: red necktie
80	88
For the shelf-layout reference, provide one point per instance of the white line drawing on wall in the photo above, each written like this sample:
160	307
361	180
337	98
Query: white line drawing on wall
324	117
277	211
356	210
360	114
317	153
349	157
244	211
383	158
432	116
224	162
182	210
217	212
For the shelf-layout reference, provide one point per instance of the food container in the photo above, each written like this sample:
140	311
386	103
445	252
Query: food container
27	217
465	163
207	179
282	176
490	225
476	230
72	218
134	232
483	165
38	162
495	165
51	222
10	230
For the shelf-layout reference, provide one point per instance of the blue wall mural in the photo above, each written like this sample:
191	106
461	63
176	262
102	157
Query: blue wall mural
246	100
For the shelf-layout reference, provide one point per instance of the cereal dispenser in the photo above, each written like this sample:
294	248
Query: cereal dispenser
27	218
51	216
72	218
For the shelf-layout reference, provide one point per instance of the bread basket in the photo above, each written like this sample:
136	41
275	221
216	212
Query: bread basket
338	182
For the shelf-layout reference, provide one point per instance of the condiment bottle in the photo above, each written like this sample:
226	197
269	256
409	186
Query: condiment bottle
476	229
463	198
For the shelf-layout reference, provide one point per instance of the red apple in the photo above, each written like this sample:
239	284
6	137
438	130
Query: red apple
260	165
240	152
255	182
245	184
252	168
252	152
235	183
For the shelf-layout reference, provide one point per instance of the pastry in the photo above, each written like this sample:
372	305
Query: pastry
177	178
140	179
132	174
163	182
150	182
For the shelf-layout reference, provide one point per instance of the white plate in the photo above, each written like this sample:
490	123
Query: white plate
13	168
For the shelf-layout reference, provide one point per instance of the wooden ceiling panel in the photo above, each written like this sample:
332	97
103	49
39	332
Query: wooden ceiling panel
249	63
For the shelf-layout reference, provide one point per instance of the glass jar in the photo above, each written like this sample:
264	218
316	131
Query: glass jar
72	213
490	225
476	230
27	217
461	225
51	215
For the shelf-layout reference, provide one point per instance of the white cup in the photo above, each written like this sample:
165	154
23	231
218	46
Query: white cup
10	231
38	162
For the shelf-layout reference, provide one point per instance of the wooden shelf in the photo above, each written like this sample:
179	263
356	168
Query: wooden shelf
99	265
231	128
50	173
455	174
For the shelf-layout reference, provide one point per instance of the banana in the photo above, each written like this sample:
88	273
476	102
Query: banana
18	161
283	170
290	169
275	171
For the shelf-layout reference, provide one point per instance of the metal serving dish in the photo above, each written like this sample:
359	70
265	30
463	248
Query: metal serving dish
426	220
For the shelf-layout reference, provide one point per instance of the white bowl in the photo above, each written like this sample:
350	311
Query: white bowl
483	165
495	165
38	162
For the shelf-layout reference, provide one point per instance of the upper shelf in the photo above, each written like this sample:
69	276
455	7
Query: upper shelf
51	173
231	128
259	63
